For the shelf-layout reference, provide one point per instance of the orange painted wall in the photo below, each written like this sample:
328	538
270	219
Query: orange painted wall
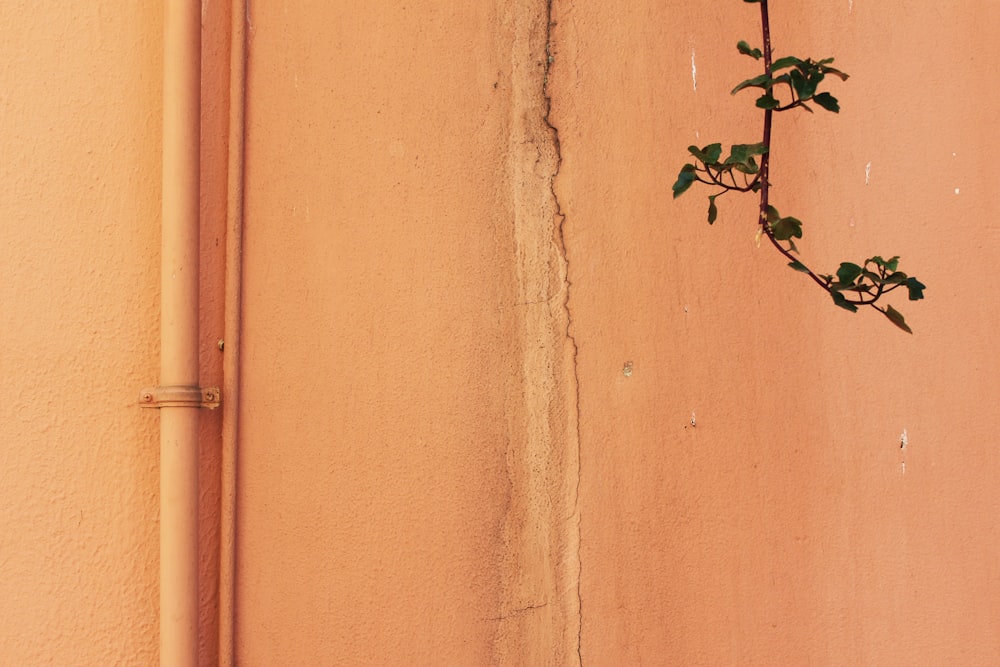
398	474
384	267
442	460
743	494
80	130
79	245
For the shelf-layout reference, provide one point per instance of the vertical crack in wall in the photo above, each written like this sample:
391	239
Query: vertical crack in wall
539	617
572	471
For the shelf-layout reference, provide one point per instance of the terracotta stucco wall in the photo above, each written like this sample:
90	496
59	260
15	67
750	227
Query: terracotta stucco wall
80	128
780	527
401	487
442	460
743	494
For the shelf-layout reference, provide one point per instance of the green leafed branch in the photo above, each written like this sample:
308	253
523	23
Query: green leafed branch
791	83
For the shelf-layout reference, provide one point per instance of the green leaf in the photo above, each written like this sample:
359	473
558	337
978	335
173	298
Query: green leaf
888	264
747	50
742	153
767	101
741	157
916	289
713	211
841	301
748	167
782	63
831	70
848	273
687	176
798	266
805	86
872	276
772	214
897	318
897	278
787	228
827	101
762	81
709	154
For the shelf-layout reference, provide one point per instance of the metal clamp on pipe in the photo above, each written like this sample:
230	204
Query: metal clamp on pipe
180	397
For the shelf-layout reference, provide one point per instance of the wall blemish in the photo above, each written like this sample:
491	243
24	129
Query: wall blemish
694	72
571	584
904	440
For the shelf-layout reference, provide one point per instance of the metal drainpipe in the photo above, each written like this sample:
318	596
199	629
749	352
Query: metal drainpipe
179	397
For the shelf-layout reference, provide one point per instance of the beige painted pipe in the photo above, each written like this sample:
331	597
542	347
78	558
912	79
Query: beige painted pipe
179	333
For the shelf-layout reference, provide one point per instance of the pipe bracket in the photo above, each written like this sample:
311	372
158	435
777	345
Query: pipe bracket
180	397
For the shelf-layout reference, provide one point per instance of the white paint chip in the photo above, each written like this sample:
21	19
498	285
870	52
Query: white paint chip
904	439
694	72
868	173
956	191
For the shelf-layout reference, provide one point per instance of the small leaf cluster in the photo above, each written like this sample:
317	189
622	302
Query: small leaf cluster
862	285
784	229
853	285
802	80
711	169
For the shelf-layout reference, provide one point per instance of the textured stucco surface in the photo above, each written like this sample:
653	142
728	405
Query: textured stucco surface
80	101
405	436
780	526
504	401
79	239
